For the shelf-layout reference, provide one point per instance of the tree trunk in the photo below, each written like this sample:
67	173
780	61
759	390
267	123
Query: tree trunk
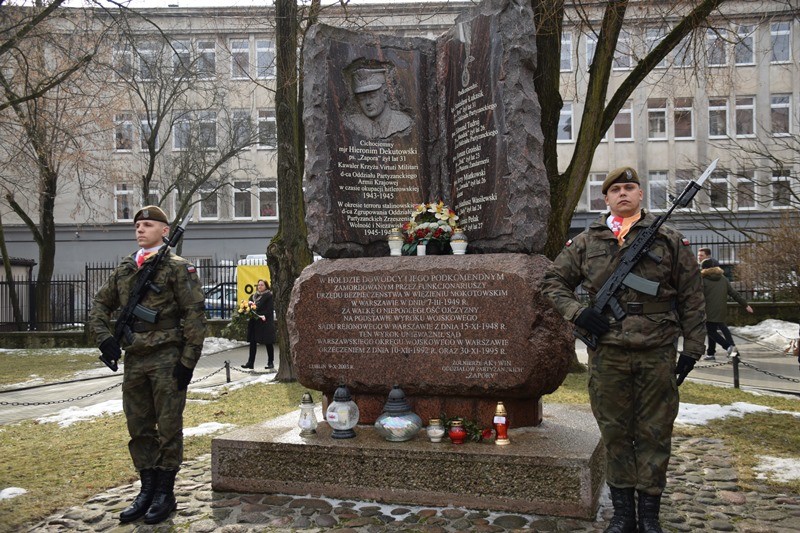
287	253
12	288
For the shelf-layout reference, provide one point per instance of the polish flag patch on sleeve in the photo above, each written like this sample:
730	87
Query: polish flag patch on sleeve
191	269
685	241
568	243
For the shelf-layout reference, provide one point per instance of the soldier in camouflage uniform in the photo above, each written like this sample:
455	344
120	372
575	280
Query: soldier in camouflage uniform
158	363
632	374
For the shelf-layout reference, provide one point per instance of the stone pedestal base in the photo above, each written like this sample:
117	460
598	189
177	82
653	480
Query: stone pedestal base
555	468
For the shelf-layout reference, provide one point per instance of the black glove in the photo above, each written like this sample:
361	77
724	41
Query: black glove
183	375
593	322
111	352
684	366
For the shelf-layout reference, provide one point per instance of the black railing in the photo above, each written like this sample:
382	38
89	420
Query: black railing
71	297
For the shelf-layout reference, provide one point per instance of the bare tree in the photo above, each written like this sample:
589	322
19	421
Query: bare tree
47	124
771	264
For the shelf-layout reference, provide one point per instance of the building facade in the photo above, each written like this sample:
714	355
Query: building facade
187	112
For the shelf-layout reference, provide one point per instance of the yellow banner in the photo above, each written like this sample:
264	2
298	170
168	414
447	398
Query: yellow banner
247	277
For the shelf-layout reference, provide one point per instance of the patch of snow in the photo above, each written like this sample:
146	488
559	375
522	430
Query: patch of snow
206	429
11	492
699	415
70	415
779	469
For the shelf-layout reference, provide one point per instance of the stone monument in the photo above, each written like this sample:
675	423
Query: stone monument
393	122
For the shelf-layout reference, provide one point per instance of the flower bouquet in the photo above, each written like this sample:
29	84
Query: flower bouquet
430	222
247	310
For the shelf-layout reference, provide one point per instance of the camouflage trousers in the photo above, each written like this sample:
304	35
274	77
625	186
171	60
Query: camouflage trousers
153	408
634	398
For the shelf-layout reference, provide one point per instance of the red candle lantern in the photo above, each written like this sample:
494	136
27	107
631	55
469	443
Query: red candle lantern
501	425
457	433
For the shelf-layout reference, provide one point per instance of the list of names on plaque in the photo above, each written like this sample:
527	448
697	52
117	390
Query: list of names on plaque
374	177
472	158
417	314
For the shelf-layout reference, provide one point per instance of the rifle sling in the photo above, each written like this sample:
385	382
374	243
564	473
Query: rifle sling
161	325
649	308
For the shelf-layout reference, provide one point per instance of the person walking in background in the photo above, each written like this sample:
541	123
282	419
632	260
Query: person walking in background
633	376
716	289
261	330
159	361
703	254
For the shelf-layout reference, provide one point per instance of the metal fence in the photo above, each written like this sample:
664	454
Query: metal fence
71	297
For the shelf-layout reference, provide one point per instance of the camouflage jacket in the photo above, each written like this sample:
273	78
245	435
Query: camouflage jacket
179	305
590	258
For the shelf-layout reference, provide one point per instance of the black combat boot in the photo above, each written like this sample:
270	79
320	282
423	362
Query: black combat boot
139	507
649	507
163	499
624	519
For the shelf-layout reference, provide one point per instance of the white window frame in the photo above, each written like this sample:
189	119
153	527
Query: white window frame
181	131
124	195
719	181
774	106
241	127
741	105
591	48
216	197
785	181
594	191
657	188
181	58
623	54
145	128
683	106
652	38
122	59
148	53
747	180
745	41
656	107
239	193
265	118
240	58
717	47
206	58
566	51
265	59
565	120
627	109
268	186
207	130
780	31
123	130
715	107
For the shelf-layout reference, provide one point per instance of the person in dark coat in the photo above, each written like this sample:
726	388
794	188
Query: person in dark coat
716	289
261	330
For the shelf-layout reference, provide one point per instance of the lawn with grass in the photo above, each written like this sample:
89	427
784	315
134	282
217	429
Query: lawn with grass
22	366
63	467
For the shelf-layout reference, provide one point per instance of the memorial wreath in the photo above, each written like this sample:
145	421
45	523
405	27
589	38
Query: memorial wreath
432	221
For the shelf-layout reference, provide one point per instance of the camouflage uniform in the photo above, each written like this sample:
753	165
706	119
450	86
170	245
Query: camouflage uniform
632	386
152	403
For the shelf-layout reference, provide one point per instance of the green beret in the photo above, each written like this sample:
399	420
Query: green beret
620	175
150	212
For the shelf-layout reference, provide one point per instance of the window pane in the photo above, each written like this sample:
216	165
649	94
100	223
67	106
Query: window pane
207	59
241	200
745	115
718	190
657	189
623	123
146	131
208	205
181	133
779	113
596	200
743	49
240	58
780	34
781	190
241	127
622	55
267	129
148	60
565	123
181	59
566	52
746	191
208	129
683	118
653	37
657	118
122	203
715	40
267	199
123	132
265	57
717	117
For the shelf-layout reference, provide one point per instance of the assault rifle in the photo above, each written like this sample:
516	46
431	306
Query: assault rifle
134	308
639	248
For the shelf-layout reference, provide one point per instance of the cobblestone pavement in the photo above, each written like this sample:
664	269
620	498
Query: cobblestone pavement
702	495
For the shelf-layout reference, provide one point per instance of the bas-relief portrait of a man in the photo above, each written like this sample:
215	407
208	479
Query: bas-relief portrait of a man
375	118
